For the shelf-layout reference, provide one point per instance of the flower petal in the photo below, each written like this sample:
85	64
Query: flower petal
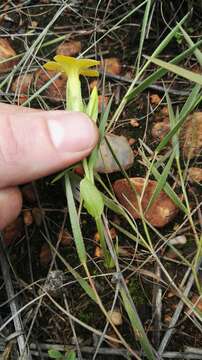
91	73
66	60
87	63
52	65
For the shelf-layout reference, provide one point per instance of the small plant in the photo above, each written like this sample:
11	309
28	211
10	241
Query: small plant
55	354
89	194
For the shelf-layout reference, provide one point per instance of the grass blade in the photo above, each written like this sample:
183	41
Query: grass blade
189	41
191	102
137	325
162	181
143	33
160	72
76	229
167	188
187	74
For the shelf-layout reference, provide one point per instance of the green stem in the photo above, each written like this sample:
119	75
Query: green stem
74	100
107	257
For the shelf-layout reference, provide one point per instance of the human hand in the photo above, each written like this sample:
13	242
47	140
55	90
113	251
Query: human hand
35	143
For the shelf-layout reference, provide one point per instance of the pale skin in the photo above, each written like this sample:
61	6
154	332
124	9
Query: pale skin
35	143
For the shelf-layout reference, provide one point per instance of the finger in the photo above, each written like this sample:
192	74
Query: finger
14	108
10	205
39	143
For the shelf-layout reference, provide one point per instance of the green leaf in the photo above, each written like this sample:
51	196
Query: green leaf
143	32
71	356
137	324
54	354
187	74
167	188
92	108
162	181
160	73
82	282
189	41
92	198
191	102
76	229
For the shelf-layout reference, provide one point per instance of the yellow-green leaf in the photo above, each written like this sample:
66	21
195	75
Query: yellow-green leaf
92	198
187	74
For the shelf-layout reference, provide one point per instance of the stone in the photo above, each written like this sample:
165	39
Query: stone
6	52
55	92
155	99
160	129
69	48
116	317
21	87
65	237
195	174
122	150
112	66
27	217
45	255
191	136
178	240
134	122
160	213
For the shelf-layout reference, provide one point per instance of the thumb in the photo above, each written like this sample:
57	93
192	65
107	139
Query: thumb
37	143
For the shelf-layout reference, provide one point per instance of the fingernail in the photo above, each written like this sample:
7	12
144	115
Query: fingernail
71	131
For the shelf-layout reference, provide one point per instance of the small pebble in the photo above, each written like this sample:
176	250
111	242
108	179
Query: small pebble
191	136
155	99
167	318
111	65
98	252
195	174
69	48
116	317
164	111
160	129
134	122
131	141
178	240
65	237
27	217
45	255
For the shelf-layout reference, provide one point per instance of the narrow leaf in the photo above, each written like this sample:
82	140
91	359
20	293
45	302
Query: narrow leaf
92	108
167	188
189	41
191	102
160	72
161	182
137	325
187	74
76	229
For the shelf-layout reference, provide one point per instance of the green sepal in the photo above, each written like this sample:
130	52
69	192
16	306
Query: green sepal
92	108
92	198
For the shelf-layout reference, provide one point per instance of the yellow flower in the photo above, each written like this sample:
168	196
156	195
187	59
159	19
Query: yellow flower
68	64
73	68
